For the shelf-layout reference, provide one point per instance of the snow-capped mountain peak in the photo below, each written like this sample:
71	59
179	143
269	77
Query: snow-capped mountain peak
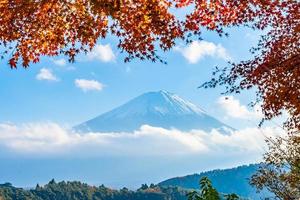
162	102
161	109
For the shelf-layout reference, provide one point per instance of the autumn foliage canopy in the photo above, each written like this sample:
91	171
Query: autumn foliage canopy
30	29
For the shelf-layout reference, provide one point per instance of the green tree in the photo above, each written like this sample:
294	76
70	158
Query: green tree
144	187
231	197
208	192
280	172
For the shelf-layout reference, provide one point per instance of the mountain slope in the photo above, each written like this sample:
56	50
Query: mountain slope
235	180
160	109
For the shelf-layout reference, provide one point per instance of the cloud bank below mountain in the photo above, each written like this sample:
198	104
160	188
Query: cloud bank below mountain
48	139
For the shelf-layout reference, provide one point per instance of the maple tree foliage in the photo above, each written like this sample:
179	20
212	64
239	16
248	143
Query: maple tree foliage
30	29
275	69
52	27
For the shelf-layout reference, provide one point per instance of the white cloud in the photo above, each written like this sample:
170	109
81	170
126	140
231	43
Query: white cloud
233	108
198	50
52	139
103	53
87	85
46	74
60	62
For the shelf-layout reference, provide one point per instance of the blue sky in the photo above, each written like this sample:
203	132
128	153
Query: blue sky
39	105
31	95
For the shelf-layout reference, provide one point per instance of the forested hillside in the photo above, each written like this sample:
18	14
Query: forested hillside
80	191
235	180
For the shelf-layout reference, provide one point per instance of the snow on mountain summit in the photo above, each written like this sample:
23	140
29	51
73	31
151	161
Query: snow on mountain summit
162	102
178	104
160	109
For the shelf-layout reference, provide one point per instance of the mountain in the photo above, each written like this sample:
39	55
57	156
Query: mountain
159	109
234	180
